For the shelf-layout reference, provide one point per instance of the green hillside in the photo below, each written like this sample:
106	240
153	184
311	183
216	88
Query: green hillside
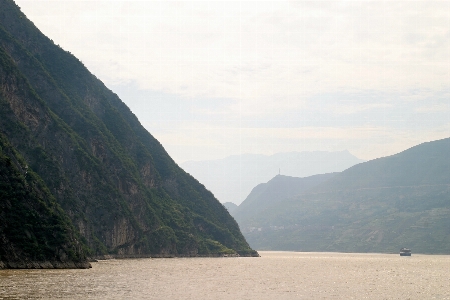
113	180
378	206
34	231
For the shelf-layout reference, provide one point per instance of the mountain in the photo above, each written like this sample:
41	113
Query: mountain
34	231
110	185
266	195
230	206
378	206
231	179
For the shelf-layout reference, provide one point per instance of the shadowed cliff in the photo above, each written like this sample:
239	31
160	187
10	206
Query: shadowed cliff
116	184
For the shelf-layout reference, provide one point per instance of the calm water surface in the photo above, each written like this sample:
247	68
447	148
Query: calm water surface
275	275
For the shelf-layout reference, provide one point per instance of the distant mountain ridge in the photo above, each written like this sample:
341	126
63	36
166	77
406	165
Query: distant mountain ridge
231	179
279	188
230	206
381	205
108	184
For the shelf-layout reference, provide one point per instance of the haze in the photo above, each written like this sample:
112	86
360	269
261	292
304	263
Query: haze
211	79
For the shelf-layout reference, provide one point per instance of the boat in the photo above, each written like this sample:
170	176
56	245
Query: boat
405	252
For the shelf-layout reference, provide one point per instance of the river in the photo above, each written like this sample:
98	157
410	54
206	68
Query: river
274	275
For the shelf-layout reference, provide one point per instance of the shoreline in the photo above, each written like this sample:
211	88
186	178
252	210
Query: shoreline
4	265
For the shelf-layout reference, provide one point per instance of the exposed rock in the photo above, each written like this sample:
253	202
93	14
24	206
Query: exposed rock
110	186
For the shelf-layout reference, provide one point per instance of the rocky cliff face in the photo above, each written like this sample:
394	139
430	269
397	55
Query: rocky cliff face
112	179
34	231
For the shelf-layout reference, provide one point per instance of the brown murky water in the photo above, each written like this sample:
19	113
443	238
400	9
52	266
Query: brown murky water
275	275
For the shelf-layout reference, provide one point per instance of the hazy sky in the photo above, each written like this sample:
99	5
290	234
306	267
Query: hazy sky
214	78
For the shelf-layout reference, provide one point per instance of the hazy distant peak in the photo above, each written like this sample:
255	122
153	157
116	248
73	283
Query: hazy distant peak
280	177
375	206
267	195
275	155
231	179
230	206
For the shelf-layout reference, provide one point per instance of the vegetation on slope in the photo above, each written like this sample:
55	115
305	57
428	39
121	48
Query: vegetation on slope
113	180
33	228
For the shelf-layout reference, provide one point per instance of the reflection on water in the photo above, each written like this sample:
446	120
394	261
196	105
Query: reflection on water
275	275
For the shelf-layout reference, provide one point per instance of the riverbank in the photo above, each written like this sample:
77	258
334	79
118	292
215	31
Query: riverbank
21	264
44	265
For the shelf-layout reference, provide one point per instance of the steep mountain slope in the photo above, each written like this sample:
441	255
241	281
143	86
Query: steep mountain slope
115	182
232	179
266	195
378	206
34	231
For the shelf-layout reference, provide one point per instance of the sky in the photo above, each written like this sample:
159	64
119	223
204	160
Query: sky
211	79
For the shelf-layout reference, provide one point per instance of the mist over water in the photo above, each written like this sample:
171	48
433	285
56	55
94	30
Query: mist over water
275	275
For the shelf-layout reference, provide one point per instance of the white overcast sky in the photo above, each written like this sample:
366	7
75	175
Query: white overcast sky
214	78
